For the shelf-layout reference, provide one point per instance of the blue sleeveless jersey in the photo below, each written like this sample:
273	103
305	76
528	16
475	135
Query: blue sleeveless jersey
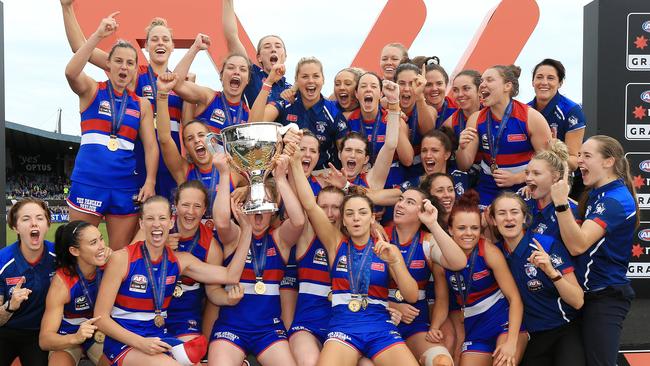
78	309
375	317
314	285
514	153
134	307
190	305
257	311
95	164
215	113
145	88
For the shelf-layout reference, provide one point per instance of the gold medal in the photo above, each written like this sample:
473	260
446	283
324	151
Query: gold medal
493	167
112	144
260	287
329	296
398	296
99	337
159	321
178	291
354	305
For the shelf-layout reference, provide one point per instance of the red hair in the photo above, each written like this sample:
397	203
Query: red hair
468	202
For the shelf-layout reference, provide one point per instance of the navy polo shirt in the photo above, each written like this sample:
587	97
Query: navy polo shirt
545	218
323	119
13	266
605	262
543	307
563	115
258	76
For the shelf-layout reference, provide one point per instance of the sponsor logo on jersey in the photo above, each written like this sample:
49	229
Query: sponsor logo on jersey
377	267
170	279
133	112
81	303
417	264
480	274
517	137
292	118
534	285
138	283
12	281
342	264
147	91
270	252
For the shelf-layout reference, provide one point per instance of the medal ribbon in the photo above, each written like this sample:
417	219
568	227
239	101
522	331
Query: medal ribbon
441	116
116	118
212	188
258	266
355	276
465	294
85	286
373	140
493	143
461	120
157	288
414	243
226	107
413	124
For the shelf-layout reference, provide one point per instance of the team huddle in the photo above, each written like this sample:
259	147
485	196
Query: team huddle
414	227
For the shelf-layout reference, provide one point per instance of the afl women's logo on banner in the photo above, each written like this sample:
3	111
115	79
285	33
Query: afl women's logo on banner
638	42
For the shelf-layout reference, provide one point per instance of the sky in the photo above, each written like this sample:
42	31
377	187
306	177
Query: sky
36	49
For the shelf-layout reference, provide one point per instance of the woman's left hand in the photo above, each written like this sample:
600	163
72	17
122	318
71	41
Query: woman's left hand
504	178
387	252
540	259
147	190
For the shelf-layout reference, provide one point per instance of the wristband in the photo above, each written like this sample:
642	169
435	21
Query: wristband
266	87
562	208
558	277
7	307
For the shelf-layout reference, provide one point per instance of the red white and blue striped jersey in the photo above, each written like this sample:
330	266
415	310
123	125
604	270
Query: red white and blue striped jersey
376	314
145	88
417	267
314	285
215	114
190	305
484	295
134	307
78	309
515	149
260	310
448	108
95	164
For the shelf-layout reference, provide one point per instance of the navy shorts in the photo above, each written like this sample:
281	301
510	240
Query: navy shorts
249	341
102	201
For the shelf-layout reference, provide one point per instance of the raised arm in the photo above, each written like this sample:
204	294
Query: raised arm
229	22
379	171
468	144
426	114
187	90
172	157
445	251
227	230
76	38
329	235
260	110
83	85
290	230
390	254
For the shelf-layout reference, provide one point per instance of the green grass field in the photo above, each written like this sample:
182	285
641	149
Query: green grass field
11	235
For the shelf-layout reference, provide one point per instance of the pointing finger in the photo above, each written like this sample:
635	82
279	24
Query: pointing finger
114	14
20	283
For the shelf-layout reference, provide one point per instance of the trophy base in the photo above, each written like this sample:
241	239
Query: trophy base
261	208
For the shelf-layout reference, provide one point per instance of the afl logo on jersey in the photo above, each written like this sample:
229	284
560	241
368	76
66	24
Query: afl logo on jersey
104	108
645	166
320	257
645	96
218	116
534	285
80	303
342	264
147	91
644	234
646	26
138	283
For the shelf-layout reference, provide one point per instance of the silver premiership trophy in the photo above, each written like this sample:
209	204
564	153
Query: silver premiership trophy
252	147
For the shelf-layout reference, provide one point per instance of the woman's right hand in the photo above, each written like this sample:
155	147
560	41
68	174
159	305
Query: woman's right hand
277	72
468	135
409	312
107	26
220	161
235	294
86	330
152	346
166	82
202	42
